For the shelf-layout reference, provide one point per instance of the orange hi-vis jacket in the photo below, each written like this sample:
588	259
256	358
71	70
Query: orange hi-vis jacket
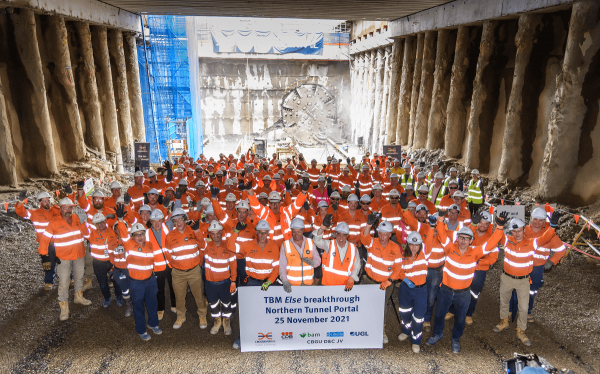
542	253
392	214
219	263
158	185
388	187
318	222
67	239
140	260
40	218
297	271
335	270
412	224
279	222
160	258
490	259
119	260
346	181
313	175
365	184
308	217
518	256
377	206
434	250
261	264
224	216
383	263
102	244
460	268
356	224
414	269
181	249
89	209
137	195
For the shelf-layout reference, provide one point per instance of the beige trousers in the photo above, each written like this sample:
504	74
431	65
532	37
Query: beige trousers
181	280
63	270
507	285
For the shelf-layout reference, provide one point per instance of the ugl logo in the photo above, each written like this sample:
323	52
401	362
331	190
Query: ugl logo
359	333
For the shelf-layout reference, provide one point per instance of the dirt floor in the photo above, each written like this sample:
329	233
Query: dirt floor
96	340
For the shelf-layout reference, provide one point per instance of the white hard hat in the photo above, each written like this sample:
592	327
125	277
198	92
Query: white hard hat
65	201
98	193
414	238
422	207
43	195
394	175
385	226
230	197
409	187
475	172
178	212
262	225
153	191
243	205
465	231
322	204
115	185
263	195
458	194
452	169
156	215
322	179
205	201
423	188
365	199
412	204
151	173
394	192
200	184
209	209
365	167
138	174
336	194
274	197
277	176
297	223
515	223
137	227
215	226
228	182
378	187
539	213
145	208
342	228
486	216
352	197
453	181
182	182
346	188
266	177
439	175
98	217
454	206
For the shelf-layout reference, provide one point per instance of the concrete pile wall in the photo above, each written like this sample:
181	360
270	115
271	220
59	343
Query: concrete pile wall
515	97
67	88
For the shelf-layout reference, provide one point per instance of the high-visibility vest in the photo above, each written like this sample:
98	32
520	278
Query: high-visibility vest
440	195
299	272
160	259
408	179
336	271
475	195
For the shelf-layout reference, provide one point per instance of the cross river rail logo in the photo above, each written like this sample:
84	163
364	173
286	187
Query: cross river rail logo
287	335
264	339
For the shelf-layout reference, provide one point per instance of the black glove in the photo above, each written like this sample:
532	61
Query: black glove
476	219
306	205
120	210
502	219
214	191
146	201
195	225
243	173
149	224
126	198
377	162
240	226
432	221
442	212
554	218
169	177
327	220
305	186
23	195
167	165
371	218
348	161
68	189
166	202
241	185
178	194
402	201
160	199
248	185
288	185
80	185
110	216
191	202
329	181
357	184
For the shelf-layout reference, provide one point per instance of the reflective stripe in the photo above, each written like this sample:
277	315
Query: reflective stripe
518	264
66	244
139	267
456	276
459	265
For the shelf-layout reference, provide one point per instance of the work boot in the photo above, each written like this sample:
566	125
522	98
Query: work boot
502	325
216	327
160	313
427	326
128	307
173	309
530	319
178	323
156	330
87	284
455	346
449	316
236	344
106	303
145	336
203	322
523	338
72	283
416	348
119	301
402	337
227	326
434	339
79	299
469	320
385	338
64	310
48	287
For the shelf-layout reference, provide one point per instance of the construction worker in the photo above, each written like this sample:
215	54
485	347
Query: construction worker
182	252
518	264
298	252
67	235
378	201
430	177
220	271
340	261
138	190
116	190
423	193
40	218
475	190
142	282
453	176
461	259
437	190
104	240
412	295
393	185
364	183
542	261
153	183
382	260
117	257
355	220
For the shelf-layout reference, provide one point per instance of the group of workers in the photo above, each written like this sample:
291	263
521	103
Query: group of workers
213	225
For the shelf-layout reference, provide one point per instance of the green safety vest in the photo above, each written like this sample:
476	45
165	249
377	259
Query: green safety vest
440	195
475	195
406	180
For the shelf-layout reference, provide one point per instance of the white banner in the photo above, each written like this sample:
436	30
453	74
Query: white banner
311	317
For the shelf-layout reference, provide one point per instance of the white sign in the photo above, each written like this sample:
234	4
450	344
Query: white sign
514	211
88	187
311	317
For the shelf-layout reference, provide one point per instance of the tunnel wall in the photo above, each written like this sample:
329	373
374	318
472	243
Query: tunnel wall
522	103
57	84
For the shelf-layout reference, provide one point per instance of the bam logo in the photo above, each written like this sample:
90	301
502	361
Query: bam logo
305	334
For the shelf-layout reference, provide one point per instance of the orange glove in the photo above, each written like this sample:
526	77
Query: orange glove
349	284
232	287
385	284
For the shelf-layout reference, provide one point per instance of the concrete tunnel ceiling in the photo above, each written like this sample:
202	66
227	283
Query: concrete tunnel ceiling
316	9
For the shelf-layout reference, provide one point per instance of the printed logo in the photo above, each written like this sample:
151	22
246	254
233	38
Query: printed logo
186	239
287	335
267	336
309	335
359	333
335	334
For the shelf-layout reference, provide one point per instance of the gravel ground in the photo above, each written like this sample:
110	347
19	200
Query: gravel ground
97	340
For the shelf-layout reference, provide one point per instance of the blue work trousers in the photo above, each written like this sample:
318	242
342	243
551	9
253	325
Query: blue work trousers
412	303
476	287
49	274
101	269
143	292
447	297
537	281
219	298
121	276
434	279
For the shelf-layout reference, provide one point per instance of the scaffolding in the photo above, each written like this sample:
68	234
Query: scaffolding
166	88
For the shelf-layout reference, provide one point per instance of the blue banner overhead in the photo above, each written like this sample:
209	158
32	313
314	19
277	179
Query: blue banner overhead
268	42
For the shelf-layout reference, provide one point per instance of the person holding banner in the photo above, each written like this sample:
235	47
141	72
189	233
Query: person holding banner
298	258
382	259
341	261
